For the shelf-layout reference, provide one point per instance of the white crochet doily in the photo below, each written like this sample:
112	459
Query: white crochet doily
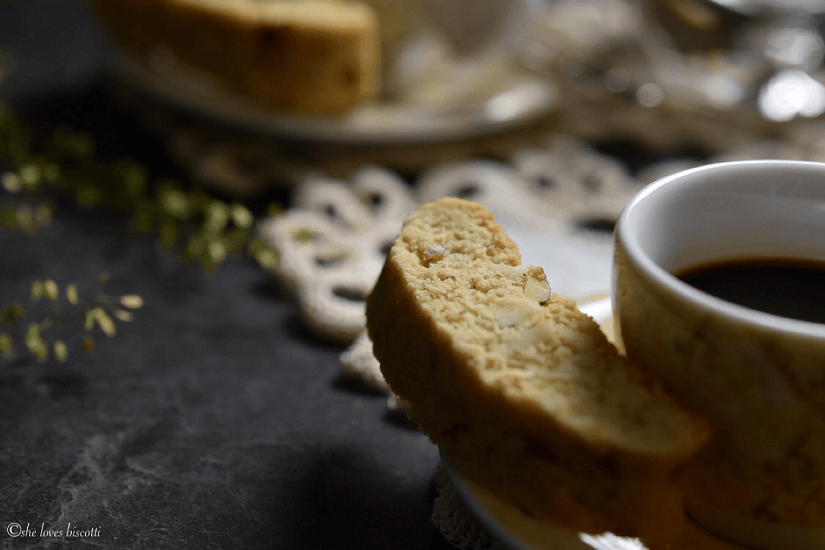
333	240
550	195
451	517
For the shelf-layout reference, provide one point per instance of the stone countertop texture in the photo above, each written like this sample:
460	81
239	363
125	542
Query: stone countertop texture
213	420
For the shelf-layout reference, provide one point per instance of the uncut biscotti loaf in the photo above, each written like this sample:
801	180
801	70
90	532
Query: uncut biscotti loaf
311	56
521	391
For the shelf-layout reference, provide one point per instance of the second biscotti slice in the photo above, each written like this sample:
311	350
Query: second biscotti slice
307	56
521	391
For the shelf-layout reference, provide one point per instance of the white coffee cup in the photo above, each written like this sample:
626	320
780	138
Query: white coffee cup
759	378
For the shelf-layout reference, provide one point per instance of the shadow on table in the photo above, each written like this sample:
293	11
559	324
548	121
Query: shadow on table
343	498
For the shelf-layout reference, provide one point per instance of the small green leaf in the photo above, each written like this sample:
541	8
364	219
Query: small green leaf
241	215
99	316
123	315
262	253
38	290
132	301
217	216
89	320
11	182
105	322
216	251
175	203
61	351
35	343
30	175
72	295
51	290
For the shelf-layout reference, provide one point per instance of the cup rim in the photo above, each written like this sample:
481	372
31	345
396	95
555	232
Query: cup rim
687	293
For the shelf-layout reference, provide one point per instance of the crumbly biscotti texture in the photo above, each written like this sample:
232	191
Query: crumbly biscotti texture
521	391
311	56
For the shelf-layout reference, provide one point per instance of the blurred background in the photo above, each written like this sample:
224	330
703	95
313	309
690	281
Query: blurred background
213	159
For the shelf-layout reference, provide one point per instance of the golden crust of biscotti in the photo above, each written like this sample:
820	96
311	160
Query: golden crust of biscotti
521	391
312	56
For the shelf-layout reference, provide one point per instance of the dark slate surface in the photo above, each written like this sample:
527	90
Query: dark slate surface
213	420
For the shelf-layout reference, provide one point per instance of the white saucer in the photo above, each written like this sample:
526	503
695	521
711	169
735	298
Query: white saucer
523	99
518	531
578	263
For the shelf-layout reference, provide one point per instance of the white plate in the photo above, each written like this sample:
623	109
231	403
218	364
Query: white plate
523	99
518	531
578	263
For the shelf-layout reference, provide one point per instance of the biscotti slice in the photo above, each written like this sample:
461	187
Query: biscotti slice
520	390
310	56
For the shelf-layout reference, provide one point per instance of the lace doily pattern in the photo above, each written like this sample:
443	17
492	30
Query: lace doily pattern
454	521
359	362
332	245
333	241
559	179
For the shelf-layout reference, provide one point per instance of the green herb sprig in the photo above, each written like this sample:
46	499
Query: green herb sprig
203	228
44	325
